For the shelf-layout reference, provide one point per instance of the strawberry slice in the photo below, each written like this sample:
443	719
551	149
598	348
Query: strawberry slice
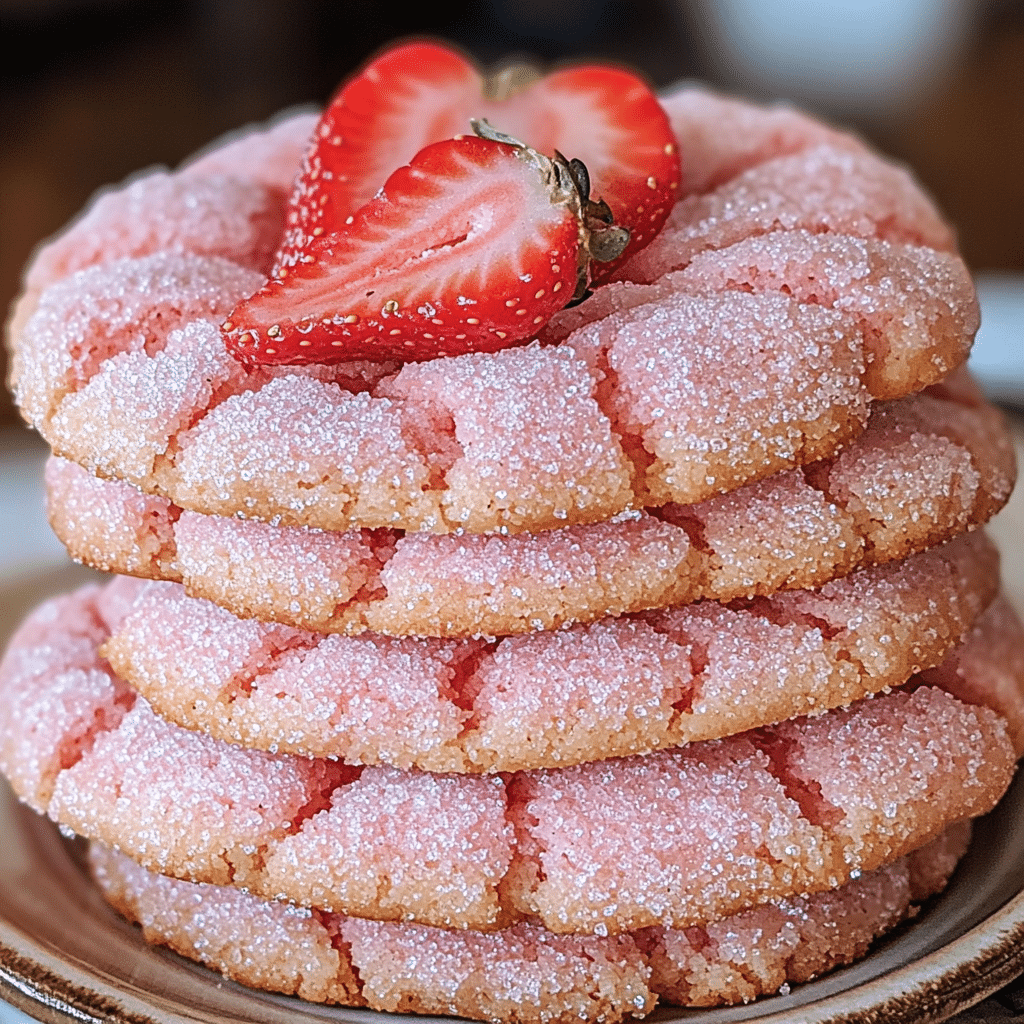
422	92
407	98
471	247
609	119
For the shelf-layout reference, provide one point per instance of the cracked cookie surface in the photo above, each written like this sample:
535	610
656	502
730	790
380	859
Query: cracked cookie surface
810	280
927	467
795	808
613	688
523	973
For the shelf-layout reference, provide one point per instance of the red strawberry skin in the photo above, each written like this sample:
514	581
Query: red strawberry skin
423	92
407	98
610	120
465	249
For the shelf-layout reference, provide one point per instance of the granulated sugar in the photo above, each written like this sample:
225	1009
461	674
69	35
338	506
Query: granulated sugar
618	686
206	216
565	844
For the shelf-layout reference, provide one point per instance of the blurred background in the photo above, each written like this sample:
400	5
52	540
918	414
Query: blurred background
93	90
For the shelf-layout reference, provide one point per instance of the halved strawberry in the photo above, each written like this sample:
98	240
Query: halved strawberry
403	100
423	92
471	247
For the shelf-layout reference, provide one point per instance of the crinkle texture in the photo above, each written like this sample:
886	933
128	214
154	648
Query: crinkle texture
59	694
727	378
822	189
206	216
944	479
119	309
124	421
729	388
726	824
721	137
529	434
109	524
334	455
906	299
759	951
613	688
988	667
290	948
927	467
523	973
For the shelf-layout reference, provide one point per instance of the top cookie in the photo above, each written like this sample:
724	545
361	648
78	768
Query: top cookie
799	279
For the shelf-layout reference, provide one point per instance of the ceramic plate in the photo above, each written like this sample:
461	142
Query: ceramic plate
64	956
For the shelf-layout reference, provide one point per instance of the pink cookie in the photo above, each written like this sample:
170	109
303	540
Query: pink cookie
721	136
926	468
238	219
727	824
610	689
523	973
225	203
268	154
810	280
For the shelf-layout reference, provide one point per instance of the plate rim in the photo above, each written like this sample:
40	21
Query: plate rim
51	988
41	983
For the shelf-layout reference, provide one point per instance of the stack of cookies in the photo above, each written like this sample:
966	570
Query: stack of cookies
657	659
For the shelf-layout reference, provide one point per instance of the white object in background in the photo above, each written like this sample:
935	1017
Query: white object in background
997	359
854	58
26	541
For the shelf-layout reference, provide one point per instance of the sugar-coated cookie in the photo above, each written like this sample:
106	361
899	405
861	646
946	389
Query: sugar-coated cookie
809	279
611	688
523	973
927	467
674	837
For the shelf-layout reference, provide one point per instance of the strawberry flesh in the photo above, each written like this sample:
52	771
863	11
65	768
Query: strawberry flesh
471	247
407	98
462	249
422	92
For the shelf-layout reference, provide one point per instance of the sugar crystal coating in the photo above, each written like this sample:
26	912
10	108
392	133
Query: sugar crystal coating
59	694
822	189
430	848
829	768
301	449
533	454
614	687
913	304
722	137
523	972
123	422
742	385
268	155
945	474
291	949
107	310
632	409
116	527
206	216
760	950
136	777
558	844
582	447
989	662
927	467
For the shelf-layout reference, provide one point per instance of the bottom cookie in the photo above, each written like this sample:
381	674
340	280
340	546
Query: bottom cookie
523	973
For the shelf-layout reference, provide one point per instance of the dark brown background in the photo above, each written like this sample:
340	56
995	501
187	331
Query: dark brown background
92	90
